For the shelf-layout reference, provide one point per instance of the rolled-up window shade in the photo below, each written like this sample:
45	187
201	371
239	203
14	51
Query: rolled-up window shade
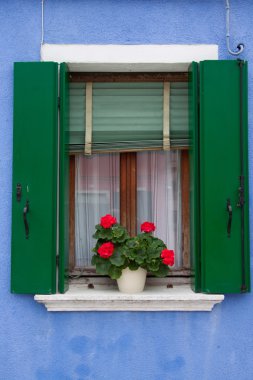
77	111
179	128
128	116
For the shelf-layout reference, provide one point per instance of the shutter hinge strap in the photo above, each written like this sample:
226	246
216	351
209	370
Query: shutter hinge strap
59	102
57	260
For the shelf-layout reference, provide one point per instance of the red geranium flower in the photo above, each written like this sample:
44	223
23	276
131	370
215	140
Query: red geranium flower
168	257
108	221
106	250
147	227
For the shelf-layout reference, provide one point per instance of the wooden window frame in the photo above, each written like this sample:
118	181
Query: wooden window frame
128	185
80	77
128	192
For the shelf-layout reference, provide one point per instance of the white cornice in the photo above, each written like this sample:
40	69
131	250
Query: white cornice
128	57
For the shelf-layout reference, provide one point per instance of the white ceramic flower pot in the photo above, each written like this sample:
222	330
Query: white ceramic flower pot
132	281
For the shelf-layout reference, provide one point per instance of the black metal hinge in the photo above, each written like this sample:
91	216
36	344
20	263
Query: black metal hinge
57	260
59	102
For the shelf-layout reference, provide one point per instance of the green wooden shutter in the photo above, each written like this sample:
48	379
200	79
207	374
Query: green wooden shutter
33	262
223	155
64	181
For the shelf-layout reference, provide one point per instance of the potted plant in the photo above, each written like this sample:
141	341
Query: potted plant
128	259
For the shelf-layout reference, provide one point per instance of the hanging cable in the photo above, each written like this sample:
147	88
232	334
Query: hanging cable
240	46
42	23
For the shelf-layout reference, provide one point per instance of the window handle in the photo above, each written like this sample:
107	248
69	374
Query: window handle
25	212
230	215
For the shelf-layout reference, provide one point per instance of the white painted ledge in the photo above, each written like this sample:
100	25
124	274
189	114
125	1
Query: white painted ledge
108	298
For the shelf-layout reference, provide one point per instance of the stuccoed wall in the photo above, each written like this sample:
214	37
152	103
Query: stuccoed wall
35	344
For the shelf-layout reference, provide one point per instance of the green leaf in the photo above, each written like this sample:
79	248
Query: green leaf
153	266
117	258
133	265
102	265
120	235
114	272
96	235
162	271
103	269
121	239
106	234
131	255
117	231
131	243
153	254
94	260
140	259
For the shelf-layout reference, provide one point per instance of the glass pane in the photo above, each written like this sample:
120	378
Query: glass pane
96	194
159	197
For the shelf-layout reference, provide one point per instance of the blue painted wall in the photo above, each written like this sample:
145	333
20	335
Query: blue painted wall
37	345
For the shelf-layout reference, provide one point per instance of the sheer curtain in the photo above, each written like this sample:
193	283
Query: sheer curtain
96	194
159	196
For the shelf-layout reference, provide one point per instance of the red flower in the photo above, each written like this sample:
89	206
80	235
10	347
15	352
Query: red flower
106	250
147	227
168	257
108	221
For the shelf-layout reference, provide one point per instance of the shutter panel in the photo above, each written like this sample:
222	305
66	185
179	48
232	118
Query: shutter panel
64	181
33	262
222	160
194	176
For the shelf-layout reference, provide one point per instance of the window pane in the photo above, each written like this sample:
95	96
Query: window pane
159	196
96	194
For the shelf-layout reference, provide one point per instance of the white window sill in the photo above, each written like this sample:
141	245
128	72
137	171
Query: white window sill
108	298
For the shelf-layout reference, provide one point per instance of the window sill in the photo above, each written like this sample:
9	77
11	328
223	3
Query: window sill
108	298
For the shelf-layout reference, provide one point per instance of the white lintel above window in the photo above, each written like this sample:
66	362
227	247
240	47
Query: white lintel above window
128	58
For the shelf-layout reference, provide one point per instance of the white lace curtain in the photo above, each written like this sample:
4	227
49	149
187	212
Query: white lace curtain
158	198
97	194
